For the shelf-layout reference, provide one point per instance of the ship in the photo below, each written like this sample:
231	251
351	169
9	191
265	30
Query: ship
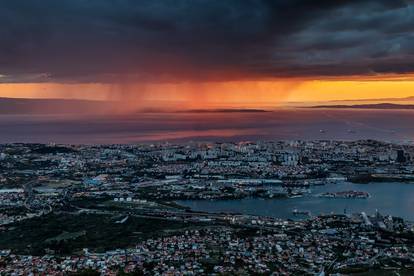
301	212
346	194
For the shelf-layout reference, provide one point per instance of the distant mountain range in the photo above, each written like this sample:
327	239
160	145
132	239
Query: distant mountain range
369	106
406	100
385	100
74	106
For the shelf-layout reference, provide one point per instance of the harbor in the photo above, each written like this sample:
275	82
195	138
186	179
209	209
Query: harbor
391	198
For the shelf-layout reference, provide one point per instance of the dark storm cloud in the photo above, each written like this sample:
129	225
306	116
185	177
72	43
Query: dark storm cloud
111	41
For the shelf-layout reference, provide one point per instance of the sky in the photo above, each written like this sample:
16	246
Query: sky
206	52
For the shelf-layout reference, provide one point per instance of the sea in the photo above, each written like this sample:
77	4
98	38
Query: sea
387	198
281	124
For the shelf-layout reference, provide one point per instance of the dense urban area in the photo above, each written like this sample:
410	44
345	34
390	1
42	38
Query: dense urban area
114	209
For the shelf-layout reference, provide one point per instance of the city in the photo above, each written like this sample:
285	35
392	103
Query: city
206	137
122	208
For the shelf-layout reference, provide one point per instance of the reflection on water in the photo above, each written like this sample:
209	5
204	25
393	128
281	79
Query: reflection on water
395	199
285	124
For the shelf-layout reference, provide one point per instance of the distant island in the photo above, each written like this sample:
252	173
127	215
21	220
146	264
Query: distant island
224	110
78	106
369	106
214	110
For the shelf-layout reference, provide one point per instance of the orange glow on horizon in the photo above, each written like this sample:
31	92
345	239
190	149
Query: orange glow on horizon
264	93
352	90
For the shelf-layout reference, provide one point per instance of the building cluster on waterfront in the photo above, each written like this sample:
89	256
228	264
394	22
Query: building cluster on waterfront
196	170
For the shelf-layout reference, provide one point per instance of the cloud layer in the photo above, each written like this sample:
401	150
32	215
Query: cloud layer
202	40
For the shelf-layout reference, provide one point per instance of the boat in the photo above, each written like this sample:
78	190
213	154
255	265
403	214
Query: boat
301	212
